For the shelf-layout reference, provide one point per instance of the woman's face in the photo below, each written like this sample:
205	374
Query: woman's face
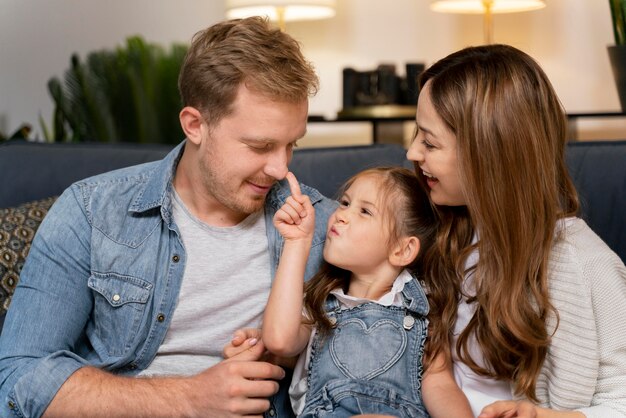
434	149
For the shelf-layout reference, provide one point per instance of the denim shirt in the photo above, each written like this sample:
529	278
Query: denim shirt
102	278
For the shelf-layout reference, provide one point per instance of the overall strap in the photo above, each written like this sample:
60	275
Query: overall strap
415	297
332	304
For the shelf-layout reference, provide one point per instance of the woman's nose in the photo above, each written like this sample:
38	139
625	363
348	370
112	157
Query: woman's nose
415	152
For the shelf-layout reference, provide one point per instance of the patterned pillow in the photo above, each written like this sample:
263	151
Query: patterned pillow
17	229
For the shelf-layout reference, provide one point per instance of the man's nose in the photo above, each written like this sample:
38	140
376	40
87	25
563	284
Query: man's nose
277	163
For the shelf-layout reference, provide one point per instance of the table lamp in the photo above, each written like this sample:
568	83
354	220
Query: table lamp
281	11
486	7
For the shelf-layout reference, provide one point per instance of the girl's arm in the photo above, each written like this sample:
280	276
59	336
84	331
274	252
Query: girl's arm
284	333
442	396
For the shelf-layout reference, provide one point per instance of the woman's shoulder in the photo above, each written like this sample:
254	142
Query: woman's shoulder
581	262
576	243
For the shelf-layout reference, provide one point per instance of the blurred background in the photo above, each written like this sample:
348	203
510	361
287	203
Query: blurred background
569	38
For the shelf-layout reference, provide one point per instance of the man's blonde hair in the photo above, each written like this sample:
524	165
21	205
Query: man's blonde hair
249	51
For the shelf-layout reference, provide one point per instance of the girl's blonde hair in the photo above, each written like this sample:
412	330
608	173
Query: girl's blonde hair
408	212
511	132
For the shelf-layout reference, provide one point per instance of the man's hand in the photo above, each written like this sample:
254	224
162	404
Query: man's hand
235	387
296	218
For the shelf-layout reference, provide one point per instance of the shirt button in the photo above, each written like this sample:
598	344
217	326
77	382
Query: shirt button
116	298
272	412
160	317
332	320
11	405
176	258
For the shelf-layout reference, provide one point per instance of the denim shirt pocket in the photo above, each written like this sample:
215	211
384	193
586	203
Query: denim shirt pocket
120	304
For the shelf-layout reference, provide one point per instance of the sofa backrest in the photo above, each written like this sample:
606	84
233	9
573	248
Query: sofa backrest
598	169
32	171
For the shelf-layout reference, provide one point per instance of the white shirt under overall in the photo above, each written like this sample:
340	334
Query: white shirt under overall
299	386
480	390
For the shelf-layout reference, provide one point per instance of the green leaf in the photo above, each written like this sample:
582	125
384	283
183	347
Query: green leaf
126	94
618	16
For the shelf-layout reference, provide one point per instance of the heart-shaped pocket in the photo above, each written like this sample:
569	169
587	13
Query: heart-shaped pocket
364	353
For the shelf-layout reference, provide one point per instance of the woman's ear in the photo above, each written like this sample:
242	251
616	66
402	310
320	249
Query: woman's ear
405	252
191	122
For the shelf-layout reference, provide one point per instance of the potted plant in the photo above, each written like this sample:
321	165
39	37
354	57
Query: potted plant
617	52
129	94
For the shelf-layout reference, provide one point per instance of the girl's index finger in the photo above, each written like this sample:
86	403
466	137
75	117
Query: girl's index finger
293	185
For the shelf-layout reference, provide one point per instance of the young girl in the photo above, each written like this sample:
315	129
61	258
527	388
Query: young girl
364	327
527	300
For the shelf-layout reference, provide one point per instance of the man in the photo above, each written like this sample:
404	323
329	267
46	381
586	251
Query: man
138	278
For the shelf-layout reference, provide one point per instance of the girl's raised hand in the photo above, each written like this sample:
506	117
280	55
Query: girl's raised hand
296	218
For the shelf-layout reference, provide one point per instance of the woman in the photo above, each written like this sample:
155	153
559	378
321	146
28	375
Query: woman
532	304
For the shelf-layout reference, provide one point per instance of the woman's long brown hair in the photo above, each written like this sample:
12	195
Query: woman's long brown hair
408	212
511	131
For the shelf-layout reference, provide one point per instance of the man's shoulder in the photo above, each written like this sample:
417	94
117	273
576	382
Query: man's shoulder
118	191
136	174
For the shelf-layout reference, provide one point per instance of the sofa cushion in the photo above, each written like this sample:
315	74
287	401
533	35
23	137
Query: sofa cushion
17	229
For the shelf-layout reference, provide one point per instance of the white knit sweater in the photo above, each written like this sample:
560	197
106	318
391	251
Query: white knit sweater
585	368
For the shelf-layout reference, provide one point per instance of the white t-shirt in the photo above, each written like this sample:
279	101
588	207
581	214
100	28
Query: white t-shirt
225	287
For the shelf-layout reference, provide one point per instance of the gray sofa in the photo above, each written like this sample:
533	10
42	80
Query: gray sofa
35	171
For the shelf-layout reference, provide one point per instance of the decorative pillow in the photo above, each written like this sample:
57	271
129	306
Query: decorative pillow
17	229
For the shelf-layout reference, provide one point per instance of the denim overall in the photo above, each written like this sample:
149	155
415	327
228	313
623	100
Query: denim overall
371	362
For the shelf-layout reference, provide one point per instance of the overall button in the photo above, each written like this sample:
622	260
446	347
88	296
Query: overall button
408	322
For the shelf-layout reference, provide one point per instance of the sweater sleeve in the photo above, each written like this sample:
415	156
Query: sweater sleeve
586	366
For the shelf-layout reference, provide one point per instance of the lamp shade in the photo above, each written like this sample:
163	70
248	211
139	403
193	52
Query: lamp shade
287	10
479	6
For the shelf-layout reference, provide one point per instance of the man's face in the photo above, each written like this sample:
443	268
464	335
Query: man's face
248	151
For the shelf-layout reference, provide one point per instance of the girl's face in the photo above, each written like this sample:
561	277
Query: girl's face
434	149
358	232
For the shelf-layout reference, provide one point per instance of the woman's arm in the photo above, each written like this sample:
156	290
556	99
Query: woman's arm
284	333
442	396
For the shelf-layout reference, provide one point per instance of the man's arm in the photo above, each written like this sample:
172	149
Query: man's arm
41	372
236	387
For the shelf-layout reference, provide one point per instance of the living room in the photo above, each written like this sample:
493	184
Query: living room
107	274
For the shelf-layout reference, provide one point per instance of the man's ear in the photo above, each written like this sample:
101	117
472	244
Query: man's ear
191	122
405	252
